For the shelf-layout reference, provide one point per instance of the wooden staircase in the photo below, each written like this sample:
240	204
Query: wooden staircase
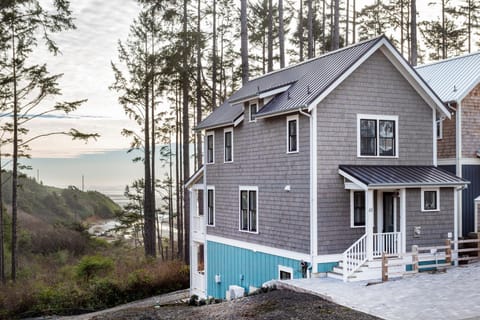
370	270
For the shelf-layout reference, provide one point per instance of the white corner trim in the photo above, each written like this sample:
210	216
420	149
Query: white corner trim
313	186
259	248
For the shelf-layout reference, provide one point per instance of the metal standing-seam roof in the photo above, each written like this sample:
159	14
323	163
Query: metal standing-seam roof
401	176
452	79
224	115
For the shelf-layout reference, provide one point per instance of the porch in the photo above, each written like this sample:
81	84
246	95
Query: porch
379	204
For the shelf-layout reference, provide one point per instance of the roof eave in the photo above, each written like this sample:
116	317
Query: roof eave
282	112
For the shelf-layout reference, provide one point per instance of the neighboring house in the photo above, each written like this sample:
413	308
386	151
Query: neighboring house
330	162
457	83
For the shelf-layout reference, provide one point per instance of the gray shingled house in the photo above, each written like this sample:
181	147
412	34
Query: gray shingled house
324	164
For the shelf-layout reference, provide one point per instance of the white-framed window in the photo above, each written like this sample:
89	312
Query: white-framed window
253	108
357	208
211	206
439	129
228	145
200	202
200	258
210	141
430	199
248	204
292	134
377	136
285	273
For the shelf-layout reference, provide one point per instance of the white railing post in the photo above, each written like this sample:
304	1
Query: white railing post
369	224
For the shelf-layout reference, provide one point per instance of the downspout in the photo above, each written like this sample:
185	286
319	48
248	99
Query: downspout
458	158
313	185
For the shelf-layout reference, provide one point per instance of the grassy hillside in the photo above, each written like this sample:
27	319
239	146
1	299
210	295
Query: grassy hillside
58	205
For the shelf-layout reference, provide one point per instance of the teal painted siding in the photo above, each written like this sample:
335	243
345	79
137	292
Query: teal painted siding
326	266
242	267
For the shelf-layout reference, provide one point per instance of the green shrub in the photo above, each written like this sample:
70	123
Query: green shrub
105	293
93	266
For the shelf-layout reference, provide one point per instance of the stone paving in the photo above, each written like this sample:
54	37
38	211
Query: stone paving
454	294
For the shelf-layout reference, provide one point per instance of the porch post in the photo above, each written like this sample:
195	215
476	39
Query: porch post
403	220
455	224
369	217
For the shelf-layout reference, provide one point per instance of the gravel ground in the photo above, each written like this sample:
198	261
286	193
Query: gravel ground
277	304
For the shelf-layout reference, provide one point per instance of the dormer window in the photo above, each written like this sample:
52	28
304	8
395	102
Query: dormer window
253	112
377	136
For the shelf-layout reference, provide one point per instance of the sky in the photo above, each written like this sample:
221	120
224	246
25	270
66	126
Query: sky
86	53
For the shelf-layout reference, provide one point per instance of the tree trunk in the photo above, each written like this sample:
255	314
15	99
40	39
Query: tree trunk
401	27
2	230
300	30
177	173
413	33
310	29
153	184
14	160
347	24
270	36
469	26
214	54
199	87
281	34
186	141
354	22
336	26
324	25
244	40
444	35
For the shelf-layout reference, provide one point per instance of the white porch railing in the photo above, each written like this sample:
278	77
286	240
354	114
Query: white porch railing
388	242
354	257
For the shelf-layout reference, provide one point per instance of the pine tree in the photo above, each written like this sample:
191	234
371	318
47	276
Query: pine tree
244	41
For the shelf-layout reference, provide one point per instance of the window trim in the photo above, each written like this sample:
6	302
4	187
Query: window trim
377	118
252	103
293	118
285	269
422	199
211	188
225	147
352	209
208	134
246	188
439	129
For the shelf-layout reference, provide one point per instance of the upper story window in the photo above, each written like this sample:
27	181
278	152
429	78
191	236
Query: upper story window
210	147
253	112
248	209
439	129
430	199
228	144
292	134
377	136
357	209
211	206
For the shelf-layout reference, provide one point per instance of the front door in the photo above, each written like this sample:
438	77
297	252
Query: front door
388	211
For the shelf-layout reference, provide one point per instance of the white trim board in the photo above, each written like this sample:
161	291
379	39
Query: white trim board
259	248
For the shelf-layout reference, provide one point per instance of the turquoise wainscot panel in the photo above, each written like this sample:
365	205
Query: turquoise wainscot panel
326	266
242	267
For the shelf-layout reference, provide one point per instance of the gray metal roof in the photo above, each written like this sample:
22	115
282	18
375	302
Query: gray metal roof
224	115
402	176
452	79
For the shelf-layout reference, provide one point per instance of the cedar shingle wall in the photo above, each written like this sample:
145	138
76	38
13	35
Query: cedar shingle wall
446	145
471	123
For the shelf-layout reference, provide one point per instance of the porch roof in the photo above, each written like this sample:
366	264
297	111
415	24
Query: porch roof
400	176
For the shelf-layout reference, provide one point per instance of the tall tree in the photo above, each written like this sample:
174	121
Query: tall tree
336	26
244	40
413	33
300	30
471	10
281	34
31	86
310	52
270	36
214	54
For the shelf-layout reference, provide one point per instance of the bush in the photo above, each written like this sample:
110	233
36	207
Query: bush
93	266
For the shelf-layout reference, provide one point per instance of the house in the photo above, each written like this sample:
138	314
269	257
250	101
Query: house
457	83
324	164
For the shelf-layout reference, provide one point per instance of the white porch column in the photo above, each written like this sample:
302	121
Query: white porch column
369	217
455	224
403	220
477	212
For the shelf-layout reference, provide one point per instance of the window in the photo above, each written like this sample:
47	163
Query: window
211	206
248	209
292	134
200	258
430	200
377	136
357	208
253	112
285	273
210	148
439	129
228	145
200	202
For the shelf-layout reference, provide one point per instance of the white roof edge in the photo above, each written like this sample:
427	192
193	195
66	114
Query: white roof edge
195	177
273	92
466	92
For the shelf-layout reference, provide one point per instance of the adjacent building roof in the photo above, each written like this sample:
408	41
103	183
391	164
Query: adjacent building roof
304	85
452	79
400	176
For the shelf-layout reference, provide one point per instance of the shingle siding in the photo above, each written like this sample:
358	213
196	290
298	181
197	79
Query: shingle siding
434	225
446	145
376	88
471	124
260	160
